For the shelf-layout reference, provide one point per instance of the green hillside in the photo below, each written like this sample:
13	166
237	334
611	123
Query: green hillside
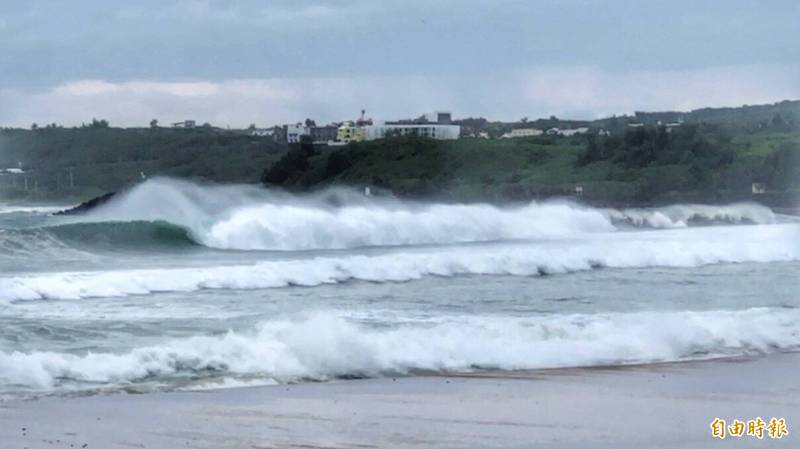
713	155
694	164
104	159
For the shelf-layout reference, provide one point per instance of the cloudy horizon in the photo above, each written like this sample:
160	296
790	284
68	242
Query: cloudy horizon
235	63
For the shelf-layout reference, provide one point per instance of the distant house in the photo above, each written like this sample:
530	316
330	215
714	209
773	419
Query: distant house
350	132
295	132
574	132
185	124
522	132
759	188
323	134
442	117
279	134
566	132
437	125
429	131
262	132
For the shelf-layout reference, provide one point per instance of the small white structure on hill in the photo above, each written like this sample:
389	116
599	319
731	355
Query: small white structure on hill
522	132
567	132
185	124
262	132
295	132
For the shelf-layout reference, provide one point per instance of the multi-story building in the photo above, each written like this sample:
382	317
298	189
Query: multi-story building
295	132
323	134
428	131
432	126
349	132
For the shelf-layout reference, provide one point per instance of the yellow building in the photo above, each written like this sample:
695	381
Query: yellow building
351	133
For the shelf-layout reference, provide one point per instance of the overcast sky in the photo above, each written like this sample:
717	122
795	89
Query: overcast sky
237	62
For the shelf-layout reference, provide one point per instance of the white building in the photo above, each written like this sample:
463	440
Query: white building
522	132
436	131
295	132
573	132
567	132
262	132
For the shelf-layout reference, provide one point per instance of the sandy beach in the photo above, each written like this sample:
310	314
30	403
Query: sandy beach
654	406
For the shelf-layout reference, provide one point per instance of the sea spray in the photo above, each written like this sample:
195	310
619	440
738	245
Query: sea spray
250	218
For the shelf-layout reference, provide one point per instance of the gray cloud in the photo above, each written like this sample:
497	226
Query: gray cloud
574	92
457	50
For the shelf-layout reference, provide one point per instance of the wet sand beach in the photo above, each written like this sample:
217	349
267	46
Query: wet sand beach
653	406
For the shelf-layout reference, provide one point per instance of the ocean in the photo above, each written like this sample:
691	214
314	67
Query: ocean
181	286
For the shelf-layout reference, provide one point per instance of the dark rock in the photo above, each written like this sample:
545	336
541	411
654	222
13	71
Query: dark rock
88	205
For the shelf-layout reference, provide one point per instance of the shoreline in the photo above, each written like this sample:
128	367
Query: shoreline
661	405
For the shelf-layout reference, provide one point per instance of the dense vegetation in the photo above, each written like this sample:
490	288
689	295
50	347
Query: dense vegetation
644	164
84	162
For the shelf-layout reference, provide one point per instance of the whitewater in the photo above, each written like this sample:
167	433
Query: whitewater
179	285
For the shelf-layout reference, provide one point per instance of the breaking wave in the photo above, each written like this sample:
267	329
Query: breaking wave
250	218
325	346
132	234
687	248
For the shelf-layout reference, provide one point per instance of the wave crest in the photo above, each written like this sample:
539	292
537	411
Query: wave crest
325	346
249	218
689	248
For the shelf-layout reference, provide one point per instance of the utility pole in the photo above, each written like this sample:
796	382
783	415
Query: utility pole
71	179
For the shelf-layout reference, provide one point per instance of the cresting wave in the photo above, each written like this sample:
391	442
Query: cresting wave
325	346
131	234
686	248
249	218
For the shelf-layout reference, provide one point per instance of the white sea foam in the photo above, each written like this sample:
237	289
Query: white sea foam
671	248
679	216
6	209
324	345
249	218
